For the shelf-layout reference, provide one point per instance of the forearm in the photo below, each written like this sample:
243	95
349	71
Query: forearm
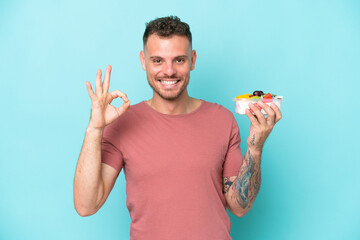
246	186
88	185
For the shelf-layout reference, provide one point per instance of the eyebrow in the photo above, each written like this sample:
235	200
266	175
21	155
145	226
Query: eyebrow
185	56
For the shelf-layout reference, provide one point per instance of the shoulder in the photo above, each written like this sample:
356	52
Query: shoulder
132	115
135	110
219	111
221	118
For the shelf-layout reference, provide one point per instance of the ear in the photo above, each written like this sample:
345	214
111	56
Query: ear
193	60
142	60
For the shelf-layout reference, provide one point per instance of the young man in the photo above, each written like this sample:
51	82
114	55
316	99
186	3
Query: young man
181	156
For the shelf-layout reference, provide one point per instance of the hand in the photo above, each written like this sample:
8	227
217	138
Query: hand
261	127
102	113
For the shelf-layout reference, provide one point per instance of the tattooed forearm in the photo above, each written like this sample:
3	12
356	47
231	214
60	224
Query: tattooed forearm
253	140
247	184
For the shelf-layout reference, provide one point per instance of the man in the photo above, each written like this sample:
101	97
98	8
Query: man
181	156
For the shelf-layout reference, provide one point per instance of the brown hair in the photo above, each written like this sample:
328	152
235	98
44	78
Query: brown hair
167	27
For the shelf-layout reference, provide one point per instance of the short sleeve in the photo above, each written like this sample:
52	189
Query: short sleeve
110	154
234	157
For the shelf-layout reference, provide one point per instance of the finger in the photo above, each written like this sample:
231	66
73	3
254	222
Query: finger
123	107
98	87
106	83
256	105
90	90
258	114
252	118
270	113
117	93
277	112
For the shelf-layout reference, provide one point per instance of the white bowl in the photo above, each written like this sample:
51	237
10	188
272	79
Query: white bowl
243	103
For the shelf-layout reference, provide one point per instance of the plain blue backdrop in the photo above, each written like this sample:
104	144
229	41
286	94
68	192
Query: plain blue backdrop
307	51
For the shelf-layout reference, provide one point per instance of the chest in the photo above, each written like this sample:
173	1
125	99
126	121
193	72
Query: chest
170	150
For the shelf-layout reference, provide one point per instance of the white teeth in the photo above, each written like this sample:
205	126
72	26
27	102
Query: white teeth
168	82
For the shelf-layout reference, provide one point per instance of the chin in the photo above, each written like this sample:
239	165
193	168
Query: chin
169	97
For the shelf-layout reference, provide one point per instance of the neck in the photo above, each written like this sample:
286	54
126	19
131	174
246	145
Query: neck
182	105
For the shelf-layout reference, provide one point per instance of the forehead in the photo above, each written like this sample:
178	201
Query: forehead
167	46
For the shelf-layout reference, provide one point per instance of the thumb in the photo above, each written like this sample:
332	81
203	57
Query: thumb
123	108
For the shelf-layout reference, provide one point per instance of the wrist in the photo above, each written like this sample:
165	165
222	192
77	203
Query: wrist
255	151
91	129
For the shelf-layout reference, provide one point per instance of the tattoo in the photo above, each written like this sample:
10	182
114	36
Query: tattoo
247	185
253	140
227	182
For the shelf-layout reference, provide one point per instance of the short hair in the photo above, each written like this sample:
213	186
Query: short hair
167	27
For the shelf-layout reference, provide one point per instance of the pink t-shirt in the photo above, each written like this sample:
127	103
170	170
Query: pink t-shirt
174	166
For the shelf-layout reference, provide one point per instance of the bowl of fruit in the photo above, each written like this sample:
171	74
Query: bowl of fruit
242	101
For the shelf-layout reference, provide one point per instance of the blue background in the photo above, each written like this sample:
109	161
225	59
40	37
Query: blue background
307	51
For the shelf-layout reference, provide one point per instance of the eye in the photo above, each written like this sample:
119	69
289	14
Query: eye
156	61
180	60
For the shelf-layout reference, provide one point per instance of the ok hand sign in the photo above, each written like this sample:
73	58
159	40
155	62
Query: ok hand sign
102	112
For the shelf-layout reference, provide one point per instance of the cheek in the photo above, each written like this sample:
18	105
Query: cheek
183	70
153	71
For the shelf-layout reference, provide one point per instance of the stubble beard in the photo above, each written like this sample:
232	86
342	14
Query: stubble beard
168	98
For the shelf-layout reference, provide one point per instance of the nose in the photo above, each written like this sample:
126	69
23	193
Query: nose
169	69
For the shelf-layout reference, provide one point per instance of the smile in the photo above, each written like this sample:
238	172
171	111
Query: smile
169	82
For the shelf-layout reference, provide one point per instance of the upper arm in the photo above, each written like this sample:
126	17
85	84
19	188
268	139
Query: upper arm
109	176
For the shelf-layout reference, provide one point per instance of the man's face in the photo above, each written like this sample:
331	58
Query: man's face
168	62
